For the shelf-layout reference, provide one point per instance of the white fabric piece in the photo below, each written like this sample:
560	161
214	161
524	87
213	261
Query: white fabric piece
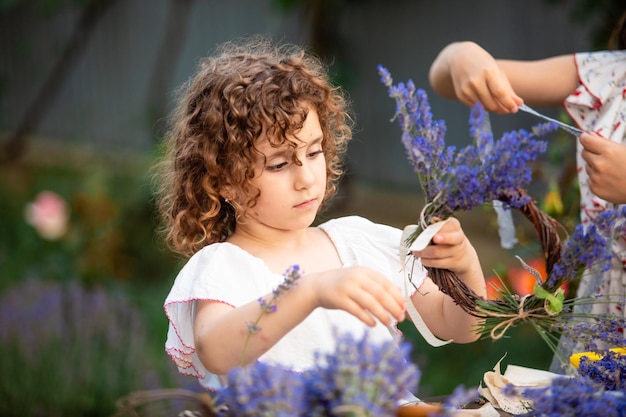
518	376
506	226
419	243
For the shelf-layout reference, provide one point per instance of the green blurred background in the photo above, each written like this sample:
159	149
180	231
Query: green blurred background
85	86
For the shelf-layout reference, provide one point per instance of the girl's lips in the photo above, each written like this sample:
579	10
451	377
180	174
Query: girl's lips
307	203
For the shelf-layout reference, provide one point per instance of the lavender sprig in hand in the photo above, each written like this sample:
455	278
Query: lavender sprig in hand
454	181
292	274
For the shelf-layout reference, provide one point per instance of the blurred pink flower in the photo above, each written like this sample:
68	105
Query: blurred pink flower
48	214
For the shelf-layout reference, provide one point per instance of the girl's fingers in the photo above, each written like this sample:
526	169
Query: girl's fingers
368	309
384	301
592	143
359	312
448	238
504	97
365	294
450	234
372	306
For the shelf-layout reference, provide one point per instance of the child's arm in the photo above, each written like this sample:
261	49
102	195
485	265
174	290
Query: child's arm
467	72
220	331
450	250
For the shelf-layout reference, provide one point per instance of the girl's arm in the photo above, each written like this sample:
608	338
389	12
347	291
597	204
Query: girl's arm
450	250
220	331
467	72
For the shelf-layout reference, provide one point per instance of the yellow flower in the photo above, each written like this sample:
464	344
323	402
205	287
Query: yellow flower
552	202
594	356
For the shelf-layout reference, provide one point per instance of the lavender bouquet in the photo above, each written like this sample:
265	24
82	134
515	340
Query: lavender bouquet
498	170
459	181
360	378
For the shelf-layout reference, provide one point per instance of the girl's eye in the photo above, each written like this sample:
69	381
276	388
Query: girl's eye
276	167
281	165
315	153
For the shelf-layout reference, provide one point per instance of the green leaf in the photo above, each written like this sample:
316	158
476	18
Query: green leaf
555	301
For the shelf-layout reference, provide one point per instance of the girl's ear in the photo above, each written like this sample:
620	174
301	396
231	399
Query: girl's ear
227	192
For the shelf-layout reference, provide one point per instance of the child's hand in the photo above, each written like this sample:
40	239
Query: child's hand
362	292
450	249
605	167
477	77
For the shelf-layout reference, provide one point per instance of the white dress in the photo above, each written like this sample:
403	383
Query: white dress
599	105
226	273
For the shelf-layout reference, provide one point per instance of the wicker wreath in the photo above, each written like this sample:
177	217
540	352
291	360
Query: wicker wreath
547	230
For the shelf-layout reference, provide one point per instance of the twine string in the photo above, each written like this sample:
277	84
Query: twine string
501	328
423	221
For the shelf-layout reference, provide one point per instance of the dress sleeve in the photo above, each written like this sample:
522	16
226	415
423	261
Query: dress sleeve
180	306
599	104
202	278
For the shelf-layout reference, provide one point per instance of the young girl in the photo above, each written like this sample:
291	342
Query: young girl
592	88
253	154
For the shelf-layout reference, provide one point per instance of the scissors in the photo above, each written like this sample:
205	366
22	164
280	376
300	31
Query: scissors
570	129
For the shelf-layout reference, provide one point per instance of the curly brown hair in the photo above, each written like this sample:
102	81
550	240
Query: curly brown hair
247	90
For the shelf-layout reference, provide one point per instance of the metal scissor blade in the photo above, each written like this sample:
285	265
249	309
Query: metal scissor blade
570	129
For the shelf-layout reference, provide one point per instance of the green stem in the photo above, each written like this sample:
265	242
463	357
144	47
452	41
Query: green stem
248	336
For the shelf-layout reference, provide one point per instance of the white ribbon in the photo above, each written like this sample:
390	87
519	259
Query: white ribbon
421	242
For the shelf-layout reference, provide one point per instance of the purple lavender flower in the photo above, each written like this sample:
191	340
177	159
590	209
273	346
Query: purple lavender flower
578	396
58	339
589	246
263	390
610	371
370	376
480	173
612	222
291	275
589	332
359	375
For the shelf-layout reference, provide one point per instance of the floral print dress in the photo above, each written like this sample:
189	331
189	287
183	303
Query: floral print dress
599	105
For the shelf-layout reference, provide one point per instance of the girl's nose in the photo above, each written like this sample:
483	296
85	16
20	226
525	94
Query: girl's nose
305	175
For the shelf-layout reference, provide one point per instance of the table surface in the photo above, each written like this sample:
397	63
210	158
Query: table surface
472	405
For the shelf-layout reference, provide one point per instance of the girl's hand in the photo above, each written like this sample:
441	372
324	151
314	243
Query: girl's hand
605	167
450	249
465	71
362	292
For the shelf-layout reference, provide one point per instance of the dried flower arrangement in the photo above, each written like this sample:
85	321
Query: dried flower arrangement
497	170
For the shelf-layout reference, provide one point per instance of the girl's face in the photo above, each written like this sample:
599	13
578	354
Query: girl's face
291	194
